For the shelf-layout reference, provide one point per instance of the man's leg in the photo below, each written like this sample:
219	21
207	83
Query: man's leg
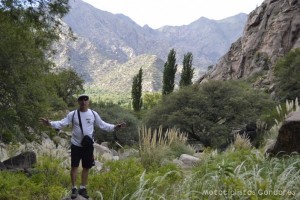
84	176
74	171
87	163
75	159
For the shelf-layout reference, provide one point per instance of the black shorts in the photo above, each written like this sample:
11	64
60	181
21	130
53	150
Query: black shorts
86	155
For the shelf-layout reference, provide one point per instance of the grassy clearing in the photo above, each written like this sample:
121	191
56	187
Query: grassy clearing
240	172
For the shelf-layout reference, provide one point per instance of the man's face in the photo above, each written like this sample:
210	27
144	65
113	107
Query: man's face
83	102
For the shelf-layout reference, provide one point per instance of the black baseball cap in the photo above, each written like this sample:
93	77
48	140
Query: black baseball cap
82	96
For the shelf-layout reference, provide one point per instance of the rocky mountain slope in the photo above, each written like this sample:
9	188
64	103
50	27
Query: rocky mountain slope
109	46
272	30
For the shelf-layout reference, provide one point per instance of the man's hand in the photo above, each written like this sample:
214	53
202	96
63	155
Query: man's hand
120	125
45	121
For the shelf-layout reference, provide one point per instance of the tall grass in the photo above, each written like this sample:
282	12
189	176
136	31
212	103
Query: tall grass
157	146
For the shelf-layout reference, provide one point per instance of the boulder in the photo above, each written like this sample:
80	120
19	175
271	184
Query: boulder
3	152
188	159
99	149
2	166
288	138
24	160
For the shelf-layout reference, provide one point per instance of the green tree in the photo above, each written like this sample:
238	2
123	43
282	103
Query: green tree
150	100
287	76
136	91
210	111
170	69
68	85
187	70
28	29
114	114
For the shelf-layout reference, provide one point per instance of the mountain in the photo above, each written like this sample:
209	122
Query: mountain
109	46
271	31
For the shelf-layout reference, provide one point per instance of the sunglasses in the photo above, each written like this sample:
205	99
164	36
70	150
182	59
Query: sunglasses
83	99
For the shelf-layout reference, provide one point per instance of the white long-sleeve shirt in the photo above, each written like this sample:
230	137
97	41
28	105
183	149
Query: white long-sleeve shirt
88	120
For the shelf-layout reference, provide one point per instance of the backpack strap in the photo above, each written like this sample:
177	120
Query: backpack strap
80	124
79	118
94	116
75	112
73	116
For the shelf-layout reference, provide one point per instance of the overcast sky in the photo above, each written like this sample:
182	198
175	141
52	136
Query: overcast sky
157	13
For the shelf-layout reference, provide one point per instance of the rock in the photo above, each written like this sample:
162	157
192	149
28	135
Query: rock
3	152
272	30
22	161
98	166
2	166
100	150
288	138
128	153
188	159
104	144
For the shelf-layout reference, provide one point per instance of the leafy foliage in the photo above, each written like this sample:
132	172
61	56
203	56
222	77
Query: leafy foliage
48	181
66	84
170	69
209	112
119	179
114	114
287	76
28	29
150	100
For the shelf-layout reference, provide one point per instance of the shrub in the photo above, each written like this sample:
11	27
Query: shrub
46	181
210	111
288	66
118	179
114	114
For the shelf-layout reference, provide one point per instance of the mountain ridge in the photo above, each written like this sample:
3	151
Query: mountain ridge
106	41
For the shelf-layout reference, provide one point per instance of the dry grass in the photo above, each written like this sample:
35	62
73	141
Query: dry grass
150	140
157	146
241	142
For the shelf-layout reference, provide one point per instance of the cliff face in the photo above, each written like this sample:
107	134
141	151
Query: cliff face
272	30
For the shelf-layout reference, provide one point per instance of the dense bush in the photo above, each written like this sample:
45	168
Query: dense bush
114	114
287	76
209	112
47	181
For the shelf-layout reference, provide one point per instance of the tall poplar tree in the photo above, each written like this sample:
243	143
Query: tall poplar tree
136	92
170	69
187	70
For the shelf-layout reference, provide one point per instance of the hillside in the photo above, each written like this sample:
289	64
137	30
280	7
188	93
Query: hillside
272	30
108	43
